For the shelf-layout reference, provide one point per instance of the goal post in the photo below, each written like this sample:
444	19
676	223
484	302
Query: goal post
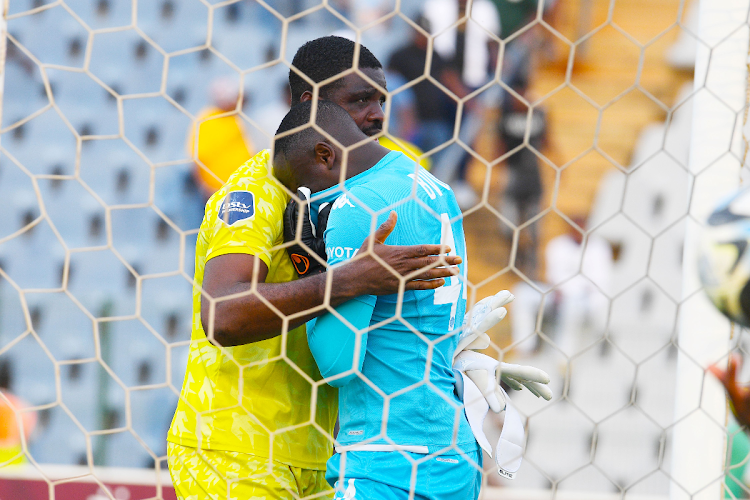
719	104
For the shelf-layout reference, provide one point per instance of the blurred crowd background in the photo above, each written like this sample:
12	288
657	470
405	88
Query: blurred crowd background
570	174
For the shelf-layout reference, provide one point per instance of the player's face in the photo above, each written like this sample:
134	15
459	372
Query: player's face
363	101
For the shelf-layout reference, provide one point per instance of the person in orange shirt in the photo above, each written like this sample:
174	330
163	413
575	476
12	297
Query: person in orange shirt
13	422
222	145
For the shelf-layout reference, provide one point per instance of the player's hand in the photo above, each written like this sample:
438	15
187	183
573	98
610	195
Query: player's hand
739	397
483	371
484	315
422	266
486	372
310	237
519	376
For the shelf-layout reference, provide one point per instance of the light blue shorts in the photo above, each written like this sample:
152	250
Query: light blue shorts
376	475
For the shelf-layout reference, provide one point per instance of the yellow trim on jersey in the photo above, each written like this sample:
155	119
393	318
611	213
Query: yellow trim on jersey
406	147
255	398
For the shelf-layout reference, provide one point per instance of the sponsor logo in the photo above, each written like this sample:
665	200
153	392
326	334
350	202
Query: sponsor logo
237	206
340	252
341	201
355	433
448	460
301	263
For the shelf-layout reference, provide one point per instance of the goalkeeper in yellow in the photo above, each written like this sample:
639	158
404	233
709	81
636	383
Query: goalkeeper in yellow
254	421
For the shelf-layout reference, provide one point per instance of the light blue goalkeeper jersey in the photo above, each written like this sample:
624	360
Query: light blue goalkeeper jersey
400	374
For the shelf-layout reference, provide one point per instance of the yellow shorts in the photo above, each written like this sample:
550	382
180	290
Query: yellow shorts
227	475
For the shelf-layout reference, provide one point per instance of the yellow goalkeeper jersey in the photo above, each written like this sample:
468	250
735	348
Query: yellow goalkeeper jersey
250	398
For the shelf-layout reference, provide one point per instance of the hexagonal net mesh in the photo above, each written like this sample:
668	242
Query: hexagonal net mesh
564	129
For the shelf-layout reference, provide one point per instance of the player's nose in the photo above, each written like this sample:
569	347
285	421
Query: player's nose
376	113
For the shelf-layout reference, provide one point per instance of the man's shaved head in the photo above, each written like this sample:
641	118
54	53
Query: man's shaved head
360	93
327	117
308	157
324	58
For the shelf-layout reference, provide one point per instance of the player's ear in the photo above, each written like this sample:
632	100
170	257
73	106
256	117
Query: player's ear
325	154
306	96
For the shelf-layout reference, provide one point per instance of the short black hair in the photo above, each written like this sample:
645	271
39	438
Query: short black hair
328	112
323	58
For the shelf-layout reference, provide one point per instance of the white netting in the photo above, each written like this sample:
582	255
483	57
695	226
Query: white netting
100	216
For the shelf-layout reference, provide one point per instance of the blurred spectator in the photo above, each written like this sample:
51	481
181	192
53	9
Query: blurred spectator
267	117
434	116
222	145
13	422
403	120
514	16
681	54
576	302
468	47
523	192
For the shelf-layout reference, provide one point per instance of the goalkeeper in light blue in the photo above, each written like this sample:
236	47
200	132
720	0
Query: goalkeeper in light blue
403	425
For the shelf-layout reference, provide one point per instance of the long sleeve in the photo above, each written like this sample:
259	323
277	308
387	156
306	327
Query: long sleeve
339	346
338	341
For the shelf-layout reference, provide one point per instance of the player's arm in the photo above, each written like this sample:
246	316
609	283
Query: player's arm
338	340
238	307
739	396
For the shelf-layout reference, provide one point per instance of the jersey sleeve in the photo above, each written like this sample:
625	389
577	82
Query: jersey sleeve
246	219
333	342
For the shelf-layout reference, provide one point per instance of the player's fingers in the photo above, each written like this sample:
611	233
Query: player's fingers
437	272
481	342
513	383
734	364
415	263
729	381
491	319
424	250
386	228
730	377
525	372
502	298
719	374
539	390
425	284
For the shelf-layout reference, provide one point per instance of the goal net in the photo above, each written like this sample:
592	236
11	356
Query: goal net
587	153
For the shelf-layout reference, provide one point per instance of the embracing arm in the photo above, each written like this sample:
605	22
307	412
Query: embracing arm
335	343
234	308
239	313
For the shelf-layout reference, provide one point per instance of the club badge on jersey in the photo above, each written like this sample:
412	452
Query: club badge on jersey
309	240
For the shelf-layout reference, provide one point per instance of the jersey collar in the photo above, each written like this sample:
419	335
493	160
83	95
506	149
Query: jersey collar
333	192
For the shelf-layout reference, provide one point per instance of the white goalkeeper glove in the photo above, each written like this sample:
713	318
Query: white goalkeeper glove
479	391
484	315
485	371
